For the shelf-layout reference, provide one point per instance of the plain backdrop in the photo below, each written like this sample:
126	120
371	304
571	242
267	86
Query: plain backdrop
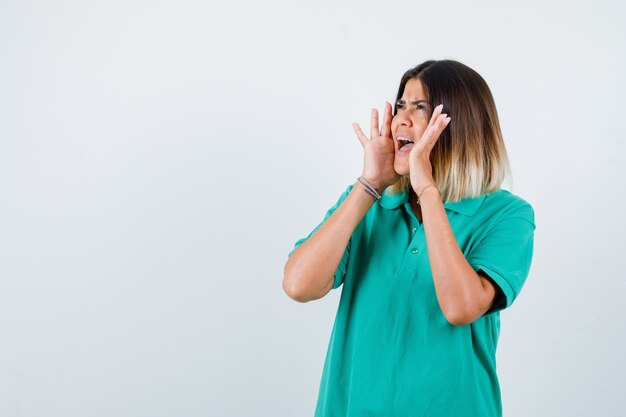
159	159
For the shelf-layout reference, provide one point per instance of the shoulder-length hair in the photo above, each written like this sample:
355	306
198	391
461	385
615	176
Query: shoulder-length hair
469	158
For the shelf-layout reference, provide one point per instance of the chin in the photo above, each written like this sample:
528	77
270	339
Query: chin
401	169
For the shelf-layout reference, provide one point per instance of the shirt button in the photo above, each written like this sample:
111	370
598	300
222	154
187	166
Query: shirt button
414	250
414	229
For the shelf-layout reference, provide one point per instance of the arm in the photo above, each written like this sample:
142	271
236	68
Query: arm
309	271
463	294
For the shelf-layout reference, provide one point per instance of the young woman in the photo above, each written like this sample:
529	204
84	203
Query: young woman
429	250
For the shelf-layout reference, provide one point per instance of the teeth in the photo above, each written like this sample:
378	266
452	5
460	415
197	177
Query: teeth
403	139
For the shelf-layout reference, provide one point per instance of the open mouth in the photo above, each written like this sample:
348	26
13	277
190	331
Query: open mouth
404	143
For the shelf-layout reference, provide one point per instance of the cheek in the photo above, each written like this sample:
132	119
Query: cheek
421	127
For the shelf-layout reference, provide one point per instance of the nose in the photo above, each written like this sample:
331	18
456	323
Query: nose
402	119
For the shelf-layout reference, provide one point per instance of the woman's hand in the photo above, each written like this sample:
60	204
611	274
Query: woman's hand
419	159
380	151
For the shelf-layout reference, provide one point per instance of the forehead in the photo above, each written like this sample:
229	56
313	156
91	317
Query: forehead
413	90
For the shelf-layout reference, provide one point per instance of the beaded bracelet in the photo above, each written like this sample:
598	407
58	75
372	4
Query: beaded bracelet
368	187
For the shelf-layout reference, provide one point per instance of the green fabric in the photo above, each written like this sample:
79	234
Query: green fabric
392	352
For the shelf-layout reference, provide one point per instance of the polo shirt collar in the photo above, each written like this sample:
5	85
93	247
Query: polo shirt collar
466	206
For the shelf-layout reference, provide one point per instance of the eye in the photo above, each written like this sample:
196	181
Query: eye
400	106
420	105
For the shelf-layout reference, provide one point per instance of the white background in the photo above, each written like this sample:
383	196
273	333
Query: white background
159	159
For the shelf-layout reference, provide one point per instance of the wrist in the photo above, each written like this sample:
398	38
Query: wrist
374	183
372	188
363	192
426	192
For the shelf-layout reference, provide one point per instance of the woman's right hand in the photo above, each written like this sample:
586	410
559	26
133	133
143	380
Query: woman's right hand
380	151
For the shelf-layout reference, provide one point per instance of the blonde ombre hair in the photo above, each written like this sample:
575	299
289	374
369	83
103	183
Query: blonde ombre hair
469	158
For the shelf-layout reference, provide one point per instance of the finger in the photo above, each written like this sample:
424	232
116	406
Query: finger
430	134
424	141
374	132
386	121
436	114
359	134
440	125
443	122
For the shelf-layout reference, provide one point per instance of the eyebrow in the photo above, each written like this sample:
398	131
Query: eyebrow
413	102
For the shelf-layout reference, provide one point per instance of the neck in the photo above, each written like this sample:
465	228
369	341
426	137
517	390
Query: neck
417	210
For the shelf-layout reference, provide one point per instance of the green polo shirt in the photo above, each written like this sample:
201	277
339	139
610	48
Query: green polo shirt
392	352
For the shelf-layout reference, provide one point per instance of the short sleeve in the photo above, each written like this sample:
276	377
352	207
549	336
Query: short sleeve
343	263
505	254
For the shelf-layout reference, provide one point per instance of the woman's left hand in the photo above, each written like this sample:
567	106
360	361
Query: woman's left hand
419	158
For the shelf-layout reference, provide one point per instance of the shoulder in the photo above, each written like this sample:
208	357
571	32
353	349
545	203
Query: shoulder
503	204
